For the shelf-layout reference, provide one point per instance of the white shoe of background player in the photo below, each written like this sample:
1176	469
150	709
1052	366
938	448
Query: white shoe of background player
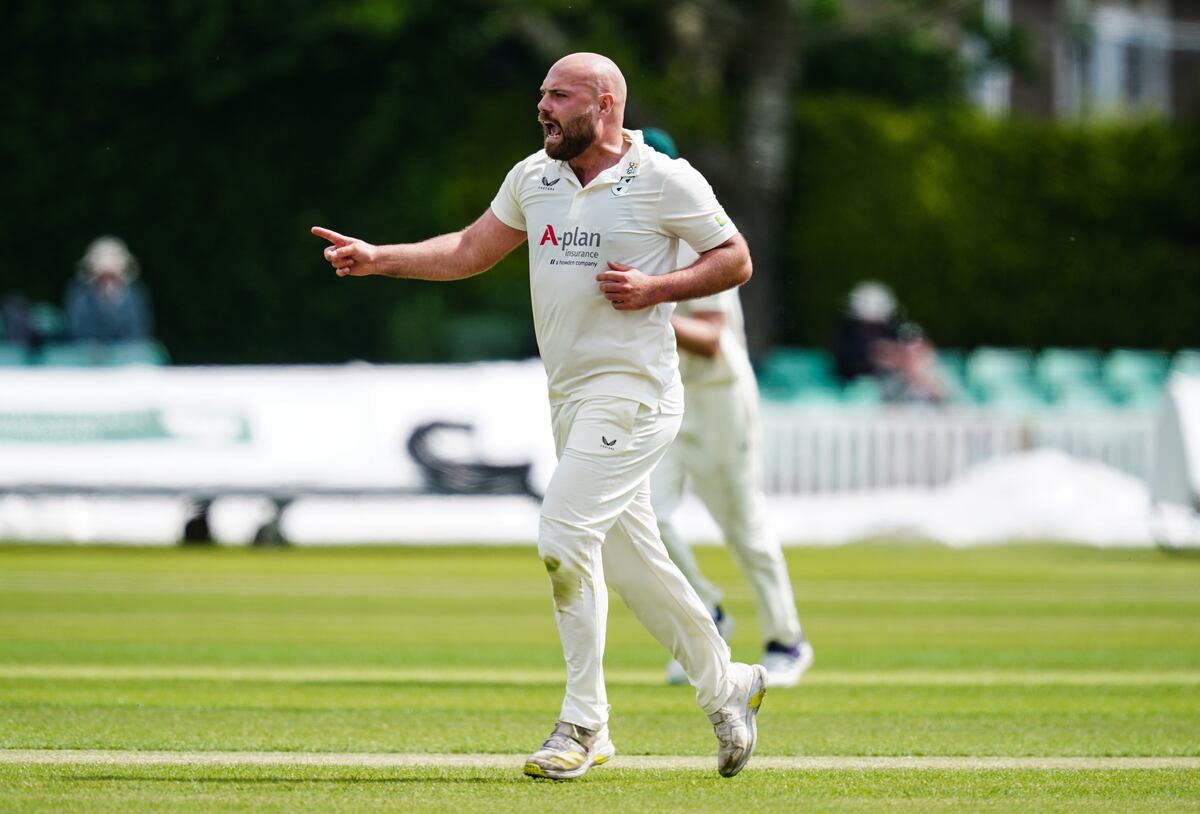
785	665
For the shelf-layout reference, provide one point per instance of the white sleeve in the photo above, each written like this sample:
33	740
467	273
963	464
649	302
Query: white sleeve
689	210
507	204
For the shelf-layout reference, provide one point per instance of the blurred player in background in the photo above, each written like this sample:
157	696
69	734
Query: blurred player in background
717	451
603	215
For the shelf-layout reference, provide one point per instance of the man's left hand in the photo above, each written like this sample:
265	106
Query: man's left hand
627	288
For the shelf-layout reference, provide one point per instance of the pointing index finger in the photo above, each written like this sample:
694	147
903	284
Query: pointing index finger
330	235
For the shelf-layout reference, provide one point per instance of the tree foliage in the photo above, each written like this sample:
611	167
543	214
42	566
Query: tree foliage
211	135
995	232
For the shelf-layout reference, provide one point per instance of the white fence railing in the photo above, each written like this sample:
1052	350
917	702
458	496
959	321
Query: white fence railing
806	452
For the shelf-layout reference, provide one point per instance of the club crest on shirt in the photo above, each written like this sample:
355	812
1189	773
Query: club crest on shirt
627	175
622	185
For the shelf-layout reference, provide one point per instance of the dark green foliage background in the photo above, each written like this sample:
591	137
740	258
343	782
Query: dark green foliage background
212	135
1001	232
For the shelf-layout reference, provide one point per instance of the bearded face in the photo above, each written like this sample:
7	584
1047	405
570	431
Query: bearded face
567	138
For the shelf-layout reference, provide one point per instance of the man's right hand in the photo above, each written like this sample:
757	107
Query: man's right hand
349	256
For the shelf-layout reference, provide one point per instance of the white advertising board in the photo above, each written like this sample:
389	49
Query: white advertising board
263	428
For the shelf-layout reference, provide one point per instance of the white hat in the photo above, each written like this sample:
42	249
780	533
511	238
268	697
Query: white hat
108	254
872	301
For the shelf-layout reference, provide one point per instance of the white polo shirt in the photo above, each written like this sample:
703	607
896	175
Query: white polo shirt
635	213
732	364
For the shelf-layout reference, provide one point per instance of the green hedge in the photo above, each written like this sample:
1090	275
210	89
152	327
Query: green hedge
211	136
995	231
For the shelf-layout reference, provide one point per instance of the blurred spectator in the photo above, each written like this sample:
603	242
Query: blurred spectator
20	327
908	367
105	302
870	317
872	341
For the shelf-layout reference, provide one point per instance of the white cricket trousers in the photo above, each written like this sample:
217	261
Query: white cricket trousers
718	451
596	526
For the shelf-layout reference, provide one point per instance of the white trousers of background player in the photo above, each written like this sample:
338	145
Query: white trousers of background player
597	525
717	452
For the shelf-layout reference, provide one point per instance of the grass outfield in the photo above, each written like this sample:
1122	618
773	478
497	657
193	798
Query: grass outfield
1028	652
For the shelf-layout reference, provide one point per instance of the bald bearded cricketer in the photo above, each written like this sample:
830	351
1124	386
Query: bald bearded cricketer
604	216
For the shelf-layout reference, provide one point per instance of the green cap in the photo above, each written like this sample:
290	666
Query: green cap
661	141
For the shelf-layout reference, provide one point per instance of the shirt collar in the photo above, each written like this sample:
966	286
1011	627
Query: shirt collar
631	162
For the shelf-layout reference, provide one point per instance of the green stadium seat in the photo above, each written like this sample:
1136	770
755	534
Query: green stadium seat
1131	374
72	354
1187	361
1058	369
146	352
1083	397
788	374
12	355
776	386
801	364
1150	398
952	359
952	372
817	396
956	357
999	372
1019	400
864	391
773	389
1141	365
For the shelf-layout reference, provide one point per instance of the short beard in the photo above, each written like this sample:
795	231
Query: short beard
577	135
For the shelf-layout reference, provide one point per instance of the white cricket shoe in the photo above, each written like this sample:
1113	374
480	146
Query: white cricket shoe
786	665
724	621
736	723
570	751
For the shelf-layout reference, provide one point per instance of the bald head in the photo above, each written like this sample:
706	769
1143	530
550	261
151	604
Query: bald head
599	73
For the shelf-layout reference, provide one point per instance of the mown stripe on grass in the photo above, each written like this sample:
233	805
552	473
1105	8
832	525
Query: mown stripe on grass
391	586
492	675
494	761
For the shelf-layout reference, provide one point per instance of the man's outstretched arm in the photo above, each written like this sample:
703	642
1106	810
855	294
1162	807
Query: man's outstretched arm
454	256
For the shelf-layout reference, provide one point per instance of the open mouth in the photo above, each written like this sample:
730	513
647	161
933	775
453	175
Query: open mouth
551	131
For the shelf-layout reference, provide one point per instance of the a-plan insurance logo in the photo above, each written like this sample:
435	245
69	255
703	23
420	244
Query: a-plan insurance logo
571	247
